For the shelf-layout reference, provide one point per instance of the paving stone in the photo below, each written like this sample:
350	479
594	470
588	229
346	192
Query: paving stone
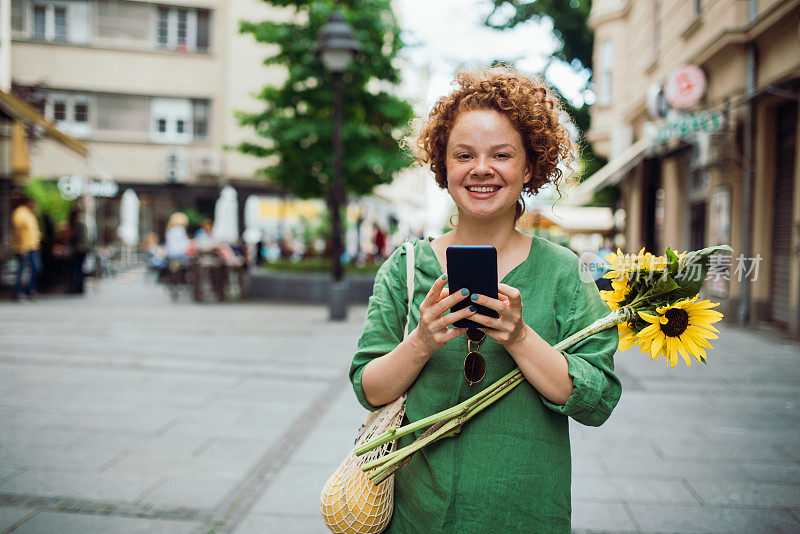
148	464
261	523
772	472
748	493
67	523
673	468
194	491
50	456
80	485
670	518
600	517
10	516
7	471
231	453
588	489
296	490
325	448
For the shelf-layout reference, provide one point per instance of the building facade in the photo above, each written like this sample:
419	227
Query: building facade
697	110
152	89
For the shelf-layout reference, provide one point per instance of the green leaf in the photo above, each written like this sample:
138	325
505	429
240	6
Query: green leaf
296	118
672	262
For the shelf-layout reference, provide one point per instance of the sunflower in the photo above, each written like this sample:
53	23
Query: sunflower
620	264
682	328
618	294
651	262
627	337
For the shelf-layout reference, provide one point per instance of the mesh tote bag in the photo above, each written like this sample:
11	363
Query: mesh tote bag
350	503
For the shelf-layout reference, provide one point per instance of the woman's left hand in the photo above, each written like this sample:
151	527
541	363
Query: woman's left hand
509	328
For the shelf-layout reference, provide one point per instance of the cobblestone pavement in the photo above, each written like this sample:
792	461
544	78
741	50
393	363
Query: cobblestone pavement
122	412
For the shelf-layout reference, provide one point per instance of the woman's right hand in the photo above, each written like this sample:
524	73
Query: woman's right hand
432	332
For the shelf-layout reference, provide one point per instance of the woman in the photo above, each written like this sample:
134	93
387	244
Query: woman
176	238
496	136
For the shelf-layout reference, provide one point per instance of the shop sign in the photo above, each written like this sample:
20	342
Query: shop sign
685	86
75	186
685	125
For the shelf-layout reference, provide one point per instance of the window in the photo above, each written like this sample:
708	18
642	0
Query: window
59	20
124	22
127	115
18	15
71	112
182	29
183	24
81	110
200	111
60	109
163	27
604	74
203	29
171	120
39	20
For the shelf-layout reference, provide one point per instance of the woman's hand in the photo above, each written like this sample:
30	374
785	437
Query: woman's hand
509	328
432	332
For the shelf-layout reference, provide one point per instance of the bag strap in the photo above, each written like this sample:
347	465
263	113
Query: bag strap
409	281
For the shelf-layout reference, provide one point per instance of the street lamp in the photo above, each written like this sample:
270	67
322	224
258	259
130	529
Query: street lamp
337	47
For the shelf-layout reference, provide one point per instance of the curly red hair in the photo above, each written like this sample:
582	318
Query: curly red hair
527	102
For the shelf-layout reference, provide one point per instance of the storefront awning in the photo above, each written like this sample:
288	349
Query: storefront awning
610	174
22	112
570	219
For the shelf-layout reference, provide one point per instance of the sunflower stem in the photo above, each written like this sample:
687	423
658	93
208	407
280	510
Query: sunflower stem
454	417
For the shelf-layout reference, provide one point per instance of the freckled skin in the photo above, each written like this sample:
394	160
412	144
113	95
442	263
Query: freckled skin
484	148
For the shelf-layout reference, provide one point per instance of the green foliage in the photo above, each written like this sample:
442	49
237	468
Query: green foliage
195	217
570	25
296	122
48	199
681	279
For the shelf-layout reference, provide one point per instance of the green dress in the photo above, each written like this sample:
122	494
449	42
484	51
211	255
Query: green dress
509	469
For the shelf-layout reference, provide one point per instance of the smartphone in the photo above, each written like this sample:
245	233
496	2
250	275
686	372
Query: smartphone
474	268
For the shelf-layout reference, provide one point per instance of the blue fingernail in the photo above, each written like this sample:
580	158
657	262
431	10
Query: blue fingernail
474	296
465	292
444	277
473	308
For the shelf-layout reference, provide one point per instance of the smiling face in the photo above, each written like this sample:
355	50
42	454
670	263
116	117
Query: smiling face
486	164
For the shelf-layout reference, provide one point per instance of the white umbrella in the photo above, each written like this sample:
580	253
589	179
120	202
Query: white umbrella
252	207
226	216
128	229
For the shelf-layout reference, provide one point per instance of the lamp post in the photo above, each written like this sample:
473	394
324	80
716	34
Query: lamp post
337	47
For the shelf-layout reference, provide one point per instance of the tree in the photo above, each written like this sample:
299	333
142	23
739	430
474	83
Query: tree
576	45
296	122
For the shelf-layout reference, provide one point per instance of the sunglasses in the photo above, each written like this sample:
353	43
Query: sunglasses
474	364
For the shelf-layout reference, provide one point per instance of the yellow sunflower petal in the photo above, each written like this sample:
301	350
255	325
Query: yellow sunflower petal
658	342
626	341
649	331
655	319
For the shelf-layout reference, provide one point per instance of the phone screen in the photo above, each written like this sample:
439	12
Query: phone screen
474	268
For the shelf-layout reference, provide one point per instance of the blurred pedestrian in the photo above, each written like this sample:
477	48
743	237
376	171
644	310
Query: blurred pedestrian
202	237
379	240
25	241
80	247
156	253
176	237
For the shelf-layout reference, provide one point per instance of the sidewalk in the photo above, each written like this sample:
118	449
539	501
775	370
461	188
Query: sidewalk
124	412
